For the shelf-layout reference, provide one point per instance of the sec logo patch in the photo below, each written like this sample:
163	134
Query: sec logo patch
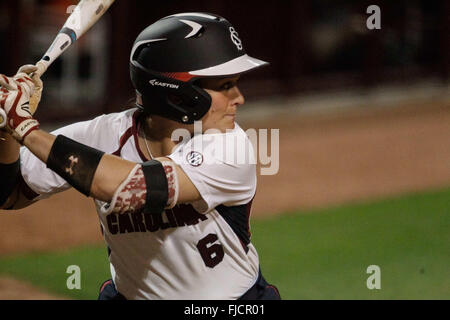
194	158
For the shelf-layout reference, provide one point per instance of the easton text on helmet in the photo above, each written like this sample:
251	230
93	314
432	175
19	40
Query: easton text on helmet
155	82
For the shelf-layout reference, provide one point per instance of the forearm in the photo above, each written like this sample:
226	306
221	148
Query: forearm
39	143
109	174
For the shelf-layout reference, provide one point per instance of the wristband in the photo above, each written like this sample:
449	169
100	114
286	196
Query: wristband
74	162
25	128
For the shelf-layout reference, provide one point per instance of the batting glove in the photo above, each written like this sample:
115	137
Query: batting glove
16	96
31	71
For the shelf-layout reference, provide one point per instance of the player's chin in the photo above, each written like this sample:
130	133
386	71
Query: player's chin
229	121
223	124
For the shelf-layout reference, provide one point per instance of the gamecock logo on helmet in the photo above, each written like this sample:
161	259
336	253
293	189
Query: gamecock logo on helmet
194	158
235	38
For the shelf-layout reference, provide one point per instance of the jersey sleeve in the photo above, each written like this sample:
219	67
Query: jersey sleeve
99	133
221	166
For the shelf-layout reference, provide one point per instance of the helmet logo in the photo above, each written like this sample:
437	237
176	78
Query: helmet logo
155	82
195	28
235	38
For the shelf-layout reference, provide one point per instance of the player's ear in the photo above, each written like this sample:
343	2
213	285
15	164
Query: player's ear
139	99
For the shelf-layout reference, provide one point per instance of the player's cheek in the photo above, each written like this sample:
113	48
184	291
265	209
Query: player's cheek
216	104
219	105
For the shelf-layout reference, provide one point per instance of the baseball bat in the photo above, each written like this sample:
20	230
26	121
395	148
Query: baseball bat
83	17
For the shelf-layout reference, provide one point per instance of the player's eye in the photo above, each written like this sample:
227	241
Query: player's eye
227	85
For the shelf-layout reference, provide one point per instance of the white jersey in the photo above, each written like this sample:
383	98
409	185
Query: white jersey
193	251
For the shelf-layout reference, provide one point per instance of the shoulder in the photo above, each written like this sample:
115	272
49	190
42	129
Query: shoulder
102	132
222	167
212	147
218	156
110	122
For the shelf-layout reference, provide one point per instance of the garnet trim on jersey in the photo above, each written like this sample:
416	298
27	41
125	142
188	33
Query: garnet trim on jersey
123	139
132	132
136	127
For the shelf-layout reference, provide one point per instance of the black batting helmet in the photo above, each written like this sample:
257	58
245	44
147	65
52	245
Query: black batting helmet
169	55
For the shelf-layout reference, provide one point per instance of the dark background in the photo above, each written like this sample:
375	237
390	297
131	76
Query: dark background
312	45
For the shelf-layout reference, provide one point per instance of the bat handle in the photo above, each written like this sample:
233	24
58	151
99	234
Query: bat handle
42	66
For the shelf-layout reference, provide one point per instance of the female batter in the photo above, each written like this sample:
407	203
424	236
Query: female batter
173	208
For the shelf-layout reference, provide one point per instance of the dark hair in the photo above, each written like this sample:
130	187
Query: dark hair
130	104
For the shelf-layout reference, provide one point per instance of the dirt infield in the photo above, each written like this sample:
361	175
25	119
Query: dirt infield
324	160
11	289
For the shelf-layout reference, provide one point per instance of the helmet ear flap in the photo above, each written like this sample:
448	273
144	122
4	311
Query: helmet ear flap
191	101
176	100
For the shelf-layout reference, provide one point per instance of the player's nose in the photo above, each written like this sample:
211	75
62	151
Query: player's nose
237	99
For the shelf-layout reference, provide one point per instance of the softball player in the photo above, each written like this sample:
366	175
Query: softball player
174	212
